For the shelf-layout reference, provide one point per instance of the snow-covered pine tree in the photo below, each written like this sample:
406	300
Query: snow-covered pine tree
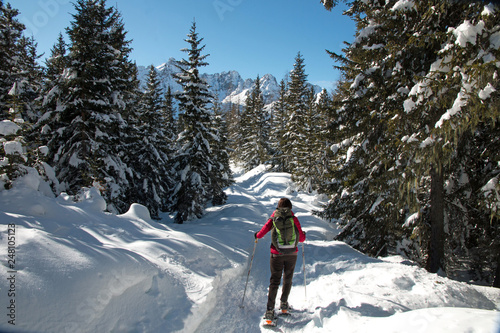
377	70
233	128
51	92
20	88
308	170
148	156
254	129
30	81
298	93
168	118
29	96
194	159
220	173
405	71
279	119
324	108
87	145
169	145
56	63
456	102
10	34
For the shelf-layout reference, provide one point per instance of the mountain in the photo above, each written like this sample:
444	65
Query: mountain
229	87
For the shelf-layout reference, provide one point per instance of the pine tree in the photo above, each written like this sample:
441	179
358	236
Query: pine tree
169	145
56	63
254	129
391	161
278	129
20	88
377	71
233	119
10	51
12	150
194	160
323	136
307	171
168	118
294	137
30	80
148	156
220	173
93	93
51	94
456	102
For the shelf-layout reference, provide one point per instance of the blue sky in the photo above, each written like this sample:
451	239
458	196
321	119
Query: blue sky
254	37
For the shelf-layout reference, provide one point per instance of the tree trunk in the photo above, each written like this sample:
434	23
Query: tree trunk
436	245
496	283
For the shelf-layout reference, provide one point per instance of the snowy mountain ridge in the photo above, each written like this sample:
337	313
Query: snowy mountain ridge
78	269
228	87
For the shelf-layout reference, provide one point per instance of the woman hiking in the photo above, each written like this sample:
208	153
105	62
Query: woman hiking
286	234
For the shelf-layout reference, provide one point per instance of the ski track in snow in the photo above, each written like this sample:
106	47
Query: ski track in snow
81	270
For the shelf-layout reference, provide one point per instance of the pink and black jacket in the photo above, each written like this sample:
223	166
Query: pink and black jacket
269	226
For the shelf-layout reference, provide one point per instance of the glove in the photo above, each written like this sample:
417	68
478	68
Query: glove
255	235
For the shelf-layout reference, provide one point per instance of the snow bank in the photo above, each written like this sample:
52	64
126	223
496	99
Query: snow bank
137	212
434	320
90	199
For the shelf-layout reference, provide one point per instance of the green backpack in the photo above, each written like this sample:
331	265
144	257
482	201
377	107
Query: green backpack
285	235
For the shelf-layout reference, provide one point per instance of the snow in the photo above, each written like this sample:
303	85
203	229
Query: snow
137	212
486	92
44	150
376	204
409	105
13	147
427	142
467	32
14	90
91	200
374	47
495	40
8	127
403	5
411	220
459	102
370	29
79	269
489	9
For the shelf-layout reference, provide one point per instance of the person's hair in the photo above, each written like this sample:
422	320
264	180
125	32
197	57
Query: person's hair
284	202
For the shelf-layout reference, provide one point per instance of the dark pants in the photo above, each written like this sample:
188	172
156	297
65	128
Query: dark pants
281	264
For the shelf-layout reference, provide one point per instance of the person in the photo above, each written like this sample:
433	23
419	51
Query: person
282	261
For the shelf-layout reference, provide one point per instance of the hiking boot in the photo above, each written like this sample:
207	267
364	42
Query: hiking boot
269	315
284	307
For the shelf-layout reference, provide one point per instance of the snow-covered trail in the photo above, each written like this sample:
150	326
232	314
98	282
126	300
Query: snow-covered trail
345	289
81	270
256	195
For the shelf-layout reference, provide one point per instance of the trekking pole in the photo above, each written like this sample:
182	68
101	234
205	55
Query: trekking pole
304	269
248	275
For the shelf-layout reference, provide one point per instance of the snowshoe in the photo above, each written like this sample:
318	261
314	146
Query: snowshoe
284	309
270	319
